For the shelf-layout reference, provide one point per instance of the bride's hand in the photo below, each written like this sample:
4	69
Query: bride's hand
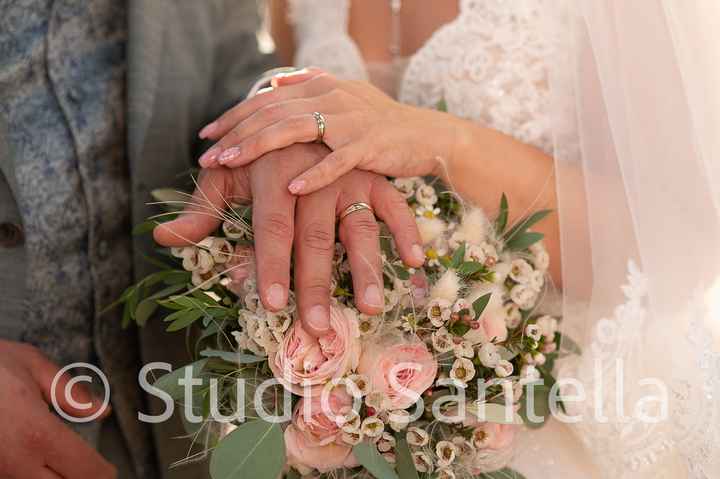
365	128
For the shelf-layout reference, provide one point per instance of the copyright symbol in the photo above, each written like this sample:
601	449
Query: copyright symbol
67	392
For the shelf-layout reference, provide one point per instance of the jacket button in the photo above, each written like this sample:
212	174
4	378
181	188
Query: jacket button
11	235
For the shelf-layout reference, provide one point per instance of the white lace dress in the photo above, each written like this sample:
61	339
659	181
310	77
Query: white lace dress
488	66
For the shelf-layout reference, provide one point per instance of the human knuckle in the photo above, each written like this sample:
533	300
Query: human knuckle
276	225
316	287
318	239
364	225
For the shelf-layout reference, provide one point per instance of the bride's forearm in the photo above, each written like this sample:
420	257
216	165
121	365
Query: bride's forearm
486	163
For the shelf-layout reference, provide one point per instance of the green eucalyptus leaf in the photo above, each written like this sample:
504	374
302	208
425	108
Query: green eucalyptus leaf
458	256
569	346
169	382
232	357
501	221
256	449
186	319
540	394
145	309
401	272
506	473
369	457
292	474
403	456
523	225
469	268
523	241
480	304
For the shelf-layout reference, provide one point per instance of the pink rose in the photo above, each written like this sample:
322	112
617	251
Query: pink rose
493	443
402	371
304	455
318	424
241	267
303	363
492	325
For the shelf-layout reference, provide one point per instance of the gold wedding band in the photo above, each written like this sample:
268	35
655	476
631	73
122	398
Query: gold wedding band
354	208
320	120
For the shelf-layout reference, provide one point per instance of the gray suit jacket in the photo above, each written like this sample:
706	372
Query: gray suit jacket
187	61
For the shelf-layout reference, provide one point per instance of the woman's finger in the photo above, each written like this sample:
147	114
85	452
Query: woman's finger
313	86
359	233
391	207
332	167
295	129
298	76
314	250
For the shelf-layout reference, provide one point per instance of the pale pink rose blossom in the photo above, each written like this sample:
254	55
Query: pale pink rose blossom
318	417
390	368
304	455
303	363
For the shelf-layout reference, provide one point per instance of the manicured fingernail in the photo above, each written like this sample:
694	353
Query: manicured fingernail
318	319
229	154
208	130
296	186
209	157
418	252
372	296
276	296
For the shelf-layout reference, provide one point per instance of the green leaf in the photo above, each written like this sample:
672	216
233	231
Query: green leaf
185	320
501	220
541	402
459	328
480	304
441	105
231	357
405	465
506	473
401	272
169	382
369	457
145	309
469	268
569	346
523	241
256	449
458	256
526	223
292	474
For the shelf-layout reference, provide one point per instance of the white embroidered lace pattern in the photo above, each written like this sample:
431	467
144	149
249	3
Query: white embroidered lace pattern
488	65
623	444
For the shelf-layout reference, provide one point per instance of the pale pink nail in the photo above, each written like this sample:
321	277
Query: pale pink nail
372	296
318	319
296	186
209	156
276	296
208	130
418	252
229	154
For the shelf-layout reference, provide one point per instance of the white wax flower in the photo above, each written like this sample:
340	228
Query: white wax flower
533	331
438	312
446	453
423	462
503	368
398	419
462	370
523	296
442	341
426	196
417	437
372	427
520	271
488	355
386	442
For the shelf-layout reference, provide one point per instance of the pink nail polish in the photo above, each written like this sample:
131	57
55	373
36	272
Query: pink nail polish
208	130
296	186
229	155
209	156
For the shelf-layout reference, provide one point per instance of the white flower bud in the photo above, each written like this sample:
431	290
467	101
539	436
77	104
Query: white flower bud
504	368
234	229
399	419
488	355
417	437
520	271
423	462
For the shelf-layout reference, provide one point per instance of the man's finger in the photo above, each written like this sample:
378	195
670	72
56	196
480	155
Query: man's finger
44	473
314	251
203	213
68	454
359	234
391	207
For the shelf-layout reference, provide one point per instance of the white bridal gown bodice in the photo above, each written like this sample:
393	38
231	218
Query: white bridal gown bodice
488	66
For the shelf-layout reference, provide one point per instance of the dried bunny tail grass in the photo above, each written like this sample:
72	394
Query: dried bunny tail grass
447	287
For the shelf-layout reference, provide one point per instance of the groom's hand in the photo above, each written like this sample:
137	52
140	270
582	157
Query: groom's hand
276	224
35	444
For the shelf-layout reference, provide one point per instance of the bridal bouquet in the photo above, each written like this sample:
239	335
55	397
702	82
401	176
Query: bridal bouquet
437	386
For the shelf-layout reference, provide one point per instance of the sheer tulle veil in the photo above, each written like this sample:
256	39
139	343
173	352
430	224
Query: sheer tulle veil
636	98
